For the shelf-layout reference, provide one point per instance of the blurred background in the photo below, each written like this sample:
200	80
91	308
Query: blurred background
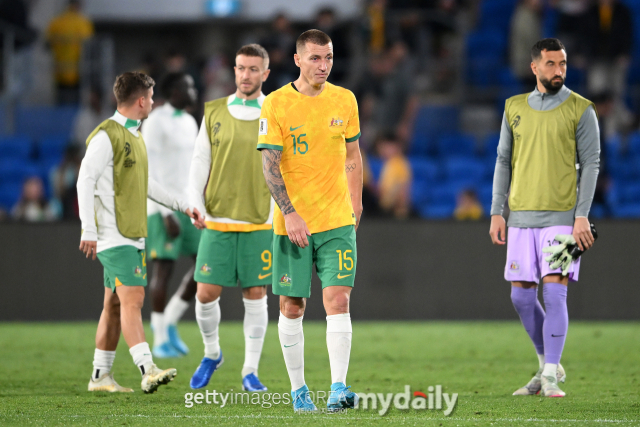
431	78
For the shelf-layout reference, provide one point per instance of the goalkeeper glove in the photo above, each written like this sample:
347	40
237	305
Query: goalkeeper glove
561	254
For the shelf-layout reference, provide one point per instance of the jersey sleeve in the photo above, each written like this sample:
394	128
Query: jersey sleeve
269	131
352	132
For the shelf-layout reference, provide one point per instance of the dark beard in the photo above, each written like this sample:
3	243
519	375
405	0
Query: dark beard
552	87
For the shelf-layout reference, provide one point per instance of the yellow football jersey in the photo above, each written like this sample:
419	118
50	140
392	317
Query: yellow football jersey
312	133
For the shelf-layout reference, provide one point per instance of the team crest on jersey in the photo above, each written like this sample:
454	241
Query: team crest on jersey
335	122
514	266
285	280
137	272
205	269
168	246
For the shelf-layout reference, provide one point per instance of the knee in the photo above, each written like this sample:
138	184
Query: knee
207	293
133	301
292	309
338	303
255	292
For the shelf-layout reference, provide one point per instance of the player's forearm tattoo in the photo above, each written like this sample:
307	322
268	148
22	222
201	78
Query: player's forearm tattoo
350	167
275	182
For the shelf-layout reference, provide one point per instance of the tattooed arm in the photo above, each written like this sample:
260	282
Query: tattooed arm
297	229
353	168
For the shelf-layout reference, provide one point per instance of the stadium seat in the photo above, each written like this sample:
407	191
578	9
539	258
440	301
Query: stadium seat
626	211
456	144
420	192
432	121
424	169
9	195
17	147
496	14
463	168
375	164
629	193
39	122
51	148
436	211
633	147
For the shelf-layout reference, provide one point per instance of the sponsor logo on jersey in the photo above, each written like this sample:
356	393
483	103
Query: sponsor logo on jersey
285	280
127	149
216	129
514	266
263	127
335	122
137	272
205	269
515	122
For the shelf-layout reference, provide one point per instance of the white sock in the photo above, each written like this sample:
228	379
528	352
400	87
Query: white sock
208	317
159	328
175	310
255	323
550	370
292	343
541	360
102	362
142	357
339	346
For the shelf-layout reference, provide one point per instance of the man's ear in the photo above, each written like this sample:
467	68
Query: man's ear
296	59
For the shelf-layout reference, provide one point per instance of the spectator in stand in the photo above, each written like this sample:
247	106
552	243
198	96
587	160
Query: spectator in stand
526	30
607	39
280	43
326	21
66	35
64	178
33	206
468	208
394	186
87	119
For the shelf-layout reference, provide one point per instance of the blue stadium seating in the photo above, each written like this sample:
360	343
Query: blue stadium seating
497	14
38	122
424	169
432	121
456	144
375	164
17	148
463	168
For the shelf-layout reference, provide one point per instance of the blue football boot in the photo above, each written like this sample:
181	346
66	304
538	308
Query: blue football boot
341	398
165	351
202	375
251	383
175	340
302	400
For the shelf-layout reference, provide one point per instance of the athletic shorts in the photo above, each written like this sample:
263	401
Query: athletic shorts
333	252
224	258
124	265
525	259
160	246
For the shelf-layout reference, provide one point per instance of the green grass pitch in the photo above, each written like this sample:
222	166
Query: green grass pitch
45	368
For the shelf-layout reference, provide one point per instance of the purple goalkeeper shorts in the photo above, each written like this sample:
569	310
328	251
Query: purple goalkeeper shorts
525	259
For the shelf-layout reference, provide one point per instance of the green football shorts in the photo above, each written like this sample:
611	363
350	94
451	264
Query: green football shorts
333	252
124	265
160	246
224	258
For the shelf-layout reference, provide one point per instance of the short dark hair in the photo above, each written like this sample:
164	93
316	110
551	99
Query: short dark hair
312	36
254	49
131	85
545	44
169	82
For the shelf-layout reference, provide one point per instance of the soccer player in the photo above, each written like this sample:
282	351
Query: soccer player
309	137
547	136
170	134
236	245
113	186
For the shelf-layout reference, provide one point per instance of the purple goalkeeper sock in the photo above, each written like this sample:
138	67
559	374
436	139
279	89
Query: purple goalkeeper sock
556	323
526	303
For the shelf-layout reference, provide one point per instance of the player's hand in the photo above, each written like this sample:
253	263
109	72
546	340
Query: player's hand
172	226
498	230
358	213
197	217
582	233
89	248
297	229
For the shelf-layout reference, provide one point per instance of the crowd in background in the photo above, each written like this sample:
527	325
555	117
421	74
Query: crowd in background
397	56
